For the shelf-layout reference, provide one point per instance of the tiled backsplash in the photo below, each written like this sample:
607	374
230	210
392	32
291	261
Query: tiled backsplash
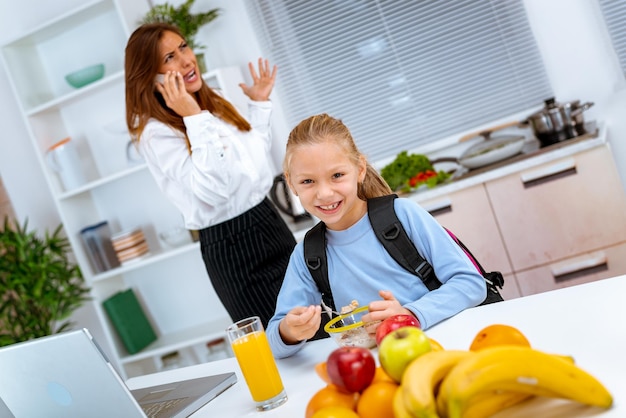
5	204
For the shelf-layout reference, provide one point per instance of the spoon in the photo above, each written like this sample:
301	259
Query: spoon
327	309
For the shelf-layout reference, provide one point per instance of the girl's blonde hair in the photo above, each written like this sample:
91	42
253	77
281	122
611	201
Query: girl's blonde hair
324	128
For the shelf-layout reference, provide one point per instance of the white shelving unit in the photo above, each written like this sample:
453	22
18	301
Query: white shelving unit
171	283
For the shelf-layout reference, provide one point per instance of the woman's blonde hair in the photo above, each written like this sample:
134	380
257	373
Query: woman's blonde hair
143	101
324	128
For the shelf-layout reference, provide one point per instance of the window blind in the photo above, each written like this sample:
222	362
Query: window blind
614	12
401	73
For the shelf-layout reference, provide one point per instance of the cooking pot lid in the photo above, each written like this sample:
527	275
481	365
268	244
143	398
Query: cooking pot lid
491	144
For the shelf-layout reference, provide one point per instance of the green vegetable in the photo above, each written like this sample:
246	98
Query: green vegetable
399	171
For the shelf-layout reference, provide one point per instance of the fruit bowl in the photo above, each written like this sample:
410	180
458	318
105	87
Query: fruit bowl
349	330
85	76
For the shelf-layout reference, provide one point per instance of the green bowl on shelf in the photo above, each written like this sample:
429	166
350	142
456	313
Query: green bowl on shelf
85	76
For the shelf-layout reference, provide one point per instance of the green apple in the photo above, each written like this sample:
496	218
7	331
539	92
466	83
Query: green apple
399	348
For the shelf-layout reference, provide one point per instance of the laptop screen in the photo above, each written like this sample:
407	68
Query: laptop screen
66	375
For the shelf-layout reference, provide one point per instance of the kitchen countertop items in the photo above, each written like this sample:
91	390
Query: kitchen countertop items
557	122
97	241
492	150
130	245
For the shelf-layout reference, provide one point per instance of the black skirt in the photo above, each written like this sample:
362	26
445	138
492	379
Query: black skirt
246	259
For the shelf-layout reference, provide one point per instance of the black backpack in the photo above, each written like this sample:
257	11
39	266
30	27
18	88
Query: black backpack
394	238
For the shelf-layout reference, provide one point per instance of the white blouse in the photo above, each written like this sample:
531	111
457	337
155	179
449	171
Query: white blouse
227	173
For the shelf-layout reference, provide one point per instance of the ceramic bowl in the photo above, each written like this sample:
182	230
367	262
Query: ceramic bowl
175	237
85	76
348	330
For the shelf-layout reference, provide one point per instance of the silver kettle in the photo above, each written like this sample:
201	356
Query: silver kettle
286	201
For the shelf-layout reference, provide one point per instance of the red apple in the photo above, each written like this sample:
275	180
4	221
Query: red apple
351	369
394	322
400	348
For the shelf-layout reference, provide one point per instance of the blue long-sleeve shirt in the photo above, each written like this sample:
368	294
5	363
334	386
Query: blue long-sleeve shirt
359	266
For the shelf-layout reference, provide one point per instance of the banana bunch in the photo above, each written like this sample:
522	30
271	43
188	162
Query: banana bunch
472	384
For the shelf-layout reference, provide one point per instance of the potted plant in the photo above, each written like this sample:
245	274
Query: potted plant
188	23
39	286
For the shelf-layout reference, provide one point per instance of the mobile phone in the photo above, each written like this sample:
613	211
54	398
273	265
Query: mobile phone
159	78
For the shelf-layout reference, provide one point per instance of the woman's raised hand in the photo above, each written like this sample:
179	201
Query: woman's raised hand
262	83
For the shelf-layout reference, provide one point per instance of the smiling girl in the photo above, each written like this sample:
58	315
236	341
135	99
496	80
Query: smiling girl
333	180
212	164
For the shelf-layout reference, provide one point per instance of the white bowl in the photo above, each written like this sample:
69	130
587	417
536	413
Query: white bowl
175	237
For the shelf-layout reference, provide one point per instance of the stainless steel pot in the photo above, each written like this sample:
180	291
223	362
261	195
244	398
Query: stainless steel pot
574	111
557	122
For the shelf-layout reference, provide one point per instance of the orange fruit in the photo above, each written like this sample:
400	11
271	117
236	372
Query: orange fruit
330	396
376	401
322	372
435	346
498	334
381	376
335	412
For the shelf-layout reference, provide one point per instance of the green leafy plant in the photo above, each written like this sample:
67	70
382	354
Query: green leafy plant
181	17
39	286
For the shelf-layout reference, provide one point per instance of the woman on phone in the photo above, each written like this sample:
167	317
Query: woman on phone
212	164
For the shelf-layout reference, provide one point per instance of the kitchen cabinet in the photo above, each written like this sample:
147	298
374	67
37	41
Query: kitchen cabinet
171	283
587	267
468	214
552	222
559	210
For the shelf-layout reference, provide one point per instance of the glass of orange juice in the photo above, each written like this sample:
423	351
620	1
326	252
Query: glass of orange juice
257	364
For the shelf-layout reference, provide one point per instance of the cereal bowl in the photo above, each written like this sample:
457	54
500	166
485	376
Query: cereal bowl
349	330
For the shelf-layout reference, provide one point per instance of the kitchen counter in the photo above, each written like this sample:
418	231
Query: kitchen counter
582	321
531	156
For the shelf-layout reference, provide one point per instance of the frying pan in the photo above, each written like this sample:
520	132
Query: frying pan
493	148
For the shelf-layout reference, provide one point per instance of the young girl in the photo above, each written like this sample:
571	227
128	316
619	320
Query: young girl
212	164
333	181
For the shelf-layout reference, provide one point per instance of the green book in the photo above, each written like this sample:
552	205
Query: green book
129	320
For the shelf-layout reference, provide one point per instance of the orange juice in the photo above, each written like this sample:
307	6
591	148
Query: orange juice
257	365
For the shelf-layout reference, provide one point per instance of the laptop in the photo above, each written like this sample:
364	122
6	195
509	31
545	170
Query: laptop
67	375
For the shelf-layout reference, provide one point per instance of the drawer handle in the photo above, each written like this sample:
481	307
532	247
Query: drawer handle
439	207
581	266
546	174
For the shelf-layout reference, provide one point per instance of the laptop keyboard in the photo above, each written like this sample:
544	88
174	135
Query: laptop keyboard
161	409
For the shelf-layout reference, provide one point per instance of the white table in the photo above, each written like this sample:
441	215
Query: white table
584	321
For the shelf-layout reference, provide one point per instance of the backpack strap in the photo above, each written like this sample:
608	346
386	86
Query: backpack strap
315	258
494	279
394	238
